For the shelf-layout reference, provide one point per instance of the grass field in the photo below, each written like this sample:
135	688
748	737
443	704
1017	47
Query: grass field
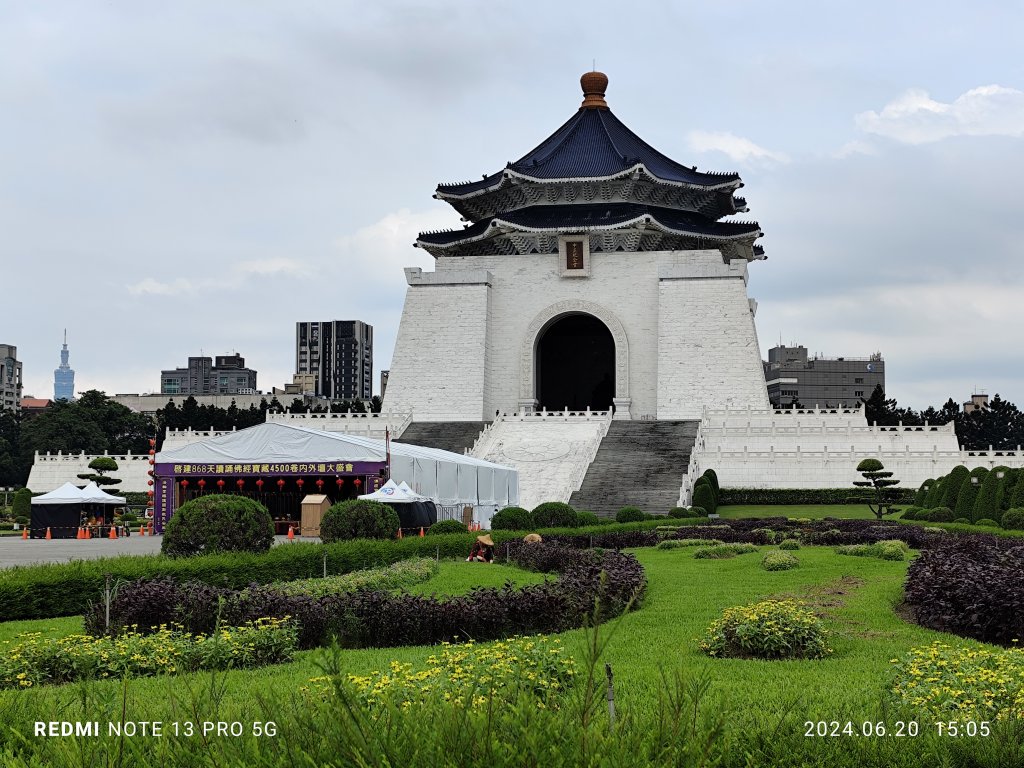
810	511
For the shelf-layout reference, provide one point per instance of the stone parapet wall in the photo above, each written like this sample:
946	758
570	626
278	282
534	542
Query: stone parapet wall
52	470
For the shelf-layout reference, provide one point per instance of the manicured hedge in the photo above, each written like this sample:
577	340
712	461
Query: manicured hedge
793	496
512	519
447	526
358	519
970	586
704	496
630	515
553	514
218	522
374	618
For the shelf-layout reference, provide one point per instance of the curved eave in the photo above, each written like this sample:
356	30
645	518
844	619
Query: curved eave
498	226
497	181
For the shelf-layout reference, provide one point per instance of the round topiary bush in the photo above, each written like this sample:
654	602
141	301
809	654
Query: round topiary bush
776	560
988	521
553	514
941	515
359	519
447	526
512	519
697	512
704	496
679	512
630	515
584	519
910	513
962	521
772	629
789	544
218	523
1013	519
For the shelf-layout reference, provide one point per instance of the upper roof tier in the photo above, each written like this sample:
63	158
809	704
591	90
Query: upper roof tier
595	146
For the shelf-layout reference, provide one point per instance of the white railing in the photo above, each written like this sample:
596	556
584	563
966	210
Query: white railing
352	423
580	473
83	456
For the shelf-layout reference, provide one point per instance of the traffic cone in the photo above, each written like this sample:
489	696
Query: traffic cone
79	534
291	533
24	533
113	533
142	530
48	534
88	532
421	532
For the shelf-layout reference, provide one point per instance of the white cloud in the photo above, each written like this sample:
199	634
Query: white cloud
737	148
265	267
158	288
917	118
855	147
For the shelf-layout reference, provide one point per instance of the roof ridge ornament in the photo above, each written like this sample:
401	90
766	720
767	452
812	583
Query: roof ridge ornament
594	85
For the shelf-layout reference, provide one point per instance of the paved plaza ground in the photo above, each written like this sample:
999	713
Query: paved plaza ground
17	551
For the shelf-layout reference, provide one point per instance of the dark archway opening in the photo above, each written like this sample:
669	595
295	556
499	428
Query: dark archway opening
576	365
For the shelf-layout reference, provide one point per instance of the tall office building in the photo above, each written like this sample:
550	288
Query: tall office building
793	377
64	376
10	379
340	354
223	375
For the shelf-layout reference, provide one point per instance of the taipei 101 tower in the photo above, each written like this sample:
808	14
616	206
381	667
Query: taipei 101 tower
64	376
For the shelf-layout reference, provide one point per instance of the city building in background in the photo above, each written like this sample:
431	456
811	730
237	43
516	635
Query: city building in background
33	406
223	375
339	354
10	379
384	382
64	375
978	402
793	377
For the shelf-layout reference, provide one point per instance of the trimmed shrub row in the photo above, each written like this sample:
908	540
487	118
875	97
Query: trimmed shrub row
374	618
793	496
883	550
777	560
970	586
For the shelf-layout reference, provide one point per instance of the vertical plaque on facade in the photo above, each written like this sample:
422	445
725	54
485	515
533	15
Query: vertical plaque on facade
574	255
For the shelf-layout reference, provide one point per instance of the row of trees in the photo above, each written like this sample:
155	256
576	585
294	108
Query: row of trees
974	494
1001	425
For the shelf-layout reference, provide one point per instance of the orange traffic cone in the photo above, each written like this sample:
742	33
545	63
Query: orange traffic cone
79	534
24	533
88	532
399	533
113	533
291	533
421	532
142	530
48	534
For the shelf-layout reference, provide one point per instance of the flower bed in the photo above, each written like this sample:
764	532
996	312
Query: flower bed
397	576
34	660
366	618
466	675
772	629
883	550
723	551
961	683
972	587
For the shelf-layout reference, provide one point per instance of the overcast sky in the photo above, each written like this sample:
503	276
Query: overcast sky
187	176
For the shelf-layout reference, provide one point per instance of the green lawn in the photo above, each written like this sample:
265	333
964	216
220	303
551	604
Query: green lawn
810	511
457	577
856	595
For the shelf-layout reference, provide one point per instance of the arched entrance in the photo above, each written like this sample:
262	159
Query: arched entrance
575	364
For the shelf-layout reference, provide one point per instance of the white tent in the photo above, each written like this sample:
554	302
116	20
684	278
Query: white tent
93	494
441	476
66	494
409	493
389	492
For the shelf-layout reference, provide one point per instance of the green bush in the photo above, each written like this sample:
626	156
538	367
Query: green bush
969	494
697	512
763	497
962	521
910	513
922	492
988	522
681	543
940	515
359	519
884	550
218	523
554	514
712	477
512	519
723	551
584	519
789	544
772	629
400	575
951	486
21	506
630	515
704	496
777	560
768	533
1016	500
5	526
1013	519
678	513
21	520
987	503
934	497
447	526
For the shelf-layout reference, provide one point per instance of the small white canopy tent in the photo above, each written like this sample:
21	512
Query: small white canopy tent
389	493
409	493
66	494
93	494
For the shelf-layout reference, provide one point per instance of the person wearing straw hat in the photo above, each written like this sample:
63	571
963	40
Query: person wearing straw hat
532	538
483	550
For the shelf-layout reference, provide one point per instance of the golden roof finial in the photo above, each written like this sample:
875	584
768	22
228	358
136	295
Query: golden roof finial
594	85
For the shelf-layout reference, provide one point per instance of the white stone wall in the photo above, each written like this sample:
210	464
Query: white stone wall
52	470
820	448
179	438
708	354
466	342
551	450
438	372
373	425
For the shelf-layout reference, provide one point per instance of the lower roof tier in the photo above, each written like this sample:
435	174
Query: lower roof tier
611	226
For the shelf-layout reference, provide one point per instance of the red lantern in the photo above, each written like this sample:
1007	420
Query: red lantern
150	472
184	483
152	443
149	482
300	482
319	484
280	484
201	484
220	485
149	494
358	482
240	483
339	481
259	484
152	452
151	462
